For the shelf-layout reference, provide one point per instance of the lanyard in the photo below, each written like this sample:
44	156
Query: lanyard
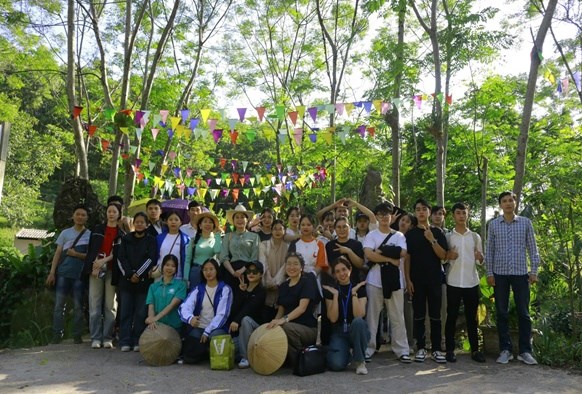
345	307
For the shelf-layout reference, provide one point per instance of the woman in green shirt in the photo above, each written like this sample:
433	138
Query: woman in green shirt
207	244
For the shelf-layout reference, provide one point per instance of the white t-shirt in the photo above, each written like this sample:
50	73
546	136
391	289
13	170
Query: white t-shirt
169	247
373	240
207	311
188	230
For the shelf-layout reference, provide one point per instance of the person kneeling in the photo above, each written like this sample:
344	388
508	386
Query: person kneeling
346	307
206	310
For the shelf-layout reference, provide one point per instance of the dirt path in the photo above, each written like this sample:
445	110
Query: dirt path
68	368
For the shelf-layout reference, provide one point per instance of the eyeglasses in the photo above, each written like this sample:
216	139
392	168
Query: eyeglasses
253	272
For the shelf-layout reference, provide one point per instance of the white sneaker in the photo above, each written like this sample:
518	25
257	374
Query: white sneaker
96	345
125	348
361	369
243	363
108	345
136	348
420	356
438	357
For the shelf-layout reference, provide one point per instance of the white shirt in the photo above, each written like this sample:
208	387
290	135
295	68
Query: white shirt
188	230
207	311
170	247
462	272
373	240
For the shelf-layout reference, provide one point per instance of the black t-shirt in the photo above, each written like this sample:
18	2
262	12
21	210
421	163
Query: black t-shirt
425	265
332	255
248	303
263	236
344	291
289	297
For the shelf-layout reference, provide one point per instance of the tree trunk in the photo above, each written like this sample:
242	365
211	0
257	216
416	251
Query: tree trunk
80	148
529	99
484	185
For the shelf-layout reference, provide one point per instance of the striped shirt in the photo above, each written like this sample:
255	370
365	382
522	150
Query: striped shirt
507	243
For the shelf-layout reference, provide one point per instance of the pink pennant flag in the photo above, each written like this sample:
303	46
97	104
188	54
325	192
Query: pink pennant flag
279	167
188	172
313	113
172	155
241	113
212	124
155	133
385	107
339	108
298	135
418	100
293	117
217	135
164	114
261	112
565	85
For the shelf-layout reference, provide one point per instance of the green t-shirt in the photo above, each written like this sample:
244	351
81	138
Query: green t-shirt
160	295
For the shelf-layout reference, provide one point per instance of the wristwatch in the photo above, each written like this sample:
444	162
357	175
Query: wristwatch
434	241
286	317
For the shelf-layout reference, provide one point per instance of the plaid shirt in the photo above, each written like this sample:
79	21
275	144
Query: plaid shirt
507	243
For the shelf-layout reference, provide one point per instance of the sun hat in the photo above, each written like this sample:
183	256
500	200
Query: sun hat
240	208
207	214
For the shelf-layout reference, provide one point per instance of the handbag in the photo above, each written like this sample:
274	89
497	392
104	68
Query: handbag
222	353
310	361
389	273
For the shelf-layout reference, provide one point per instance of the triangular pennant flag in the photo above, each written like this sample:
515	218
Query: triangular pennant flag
235	194
282	138
252	180
228	181
132	149
172	155
241	113
362	130
261	112
222	113
233	163
342	136
330	108
205	114
349	108
244	165
164	115
371	131
217	135
77	111
170	133
91	129
368	106
232	123
213	193
212	124
396	102
151	165
280	111
202	193
300	111
251	135
138	132
194	123
257	191
191	191
293	117
246	192
218	181
222	164
385	107
298	135
155	133
235	176
327	137
138	117
109	113
124	130
417	100
185	113
377	105
175	121
233	137
313	113
449	99
164	168
261	202
339	108
313	137
211	206
251	203
104	144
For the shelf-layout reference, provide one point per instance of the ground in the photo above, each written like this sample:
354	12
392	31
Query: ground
69	368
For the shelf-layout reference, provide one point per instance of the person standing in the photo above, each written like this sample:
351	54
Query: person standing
154	211
65	272
375	240
427	247
190	228
509	240
465	250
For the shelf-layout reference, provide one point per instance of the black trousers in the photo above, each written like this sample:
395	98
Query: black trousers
430	293
470	298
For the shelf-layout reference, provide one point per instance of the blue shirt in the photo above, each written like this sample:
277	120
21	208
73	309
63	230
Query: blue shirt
507	243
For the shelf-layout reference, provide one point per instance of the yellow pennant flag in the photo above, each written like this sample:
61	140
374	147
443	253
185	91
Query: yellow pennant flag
277	209
175	121
378	105
158	182
257	191
228	180
251	203
327	137
349	108
201	193
205	114
164	168
300	111
211	206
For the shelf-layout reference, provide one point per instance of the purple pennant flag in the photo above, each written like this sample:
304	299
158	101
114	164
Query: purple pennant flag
289	185
233	163
138	117
313	137
247	178
268	166
559	89
145	181
578	80
170	133
358	104
224	192
368	106
191	191
160	152
185	115
162	124
241	113
138	162
208	180
177	172
362	130
217	135
194	123
313	113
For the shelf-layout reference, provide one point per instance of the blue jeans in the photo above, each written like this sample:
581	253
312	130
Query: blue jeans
133	312
64	287
102	308
192	350
193	277
357	338
520	286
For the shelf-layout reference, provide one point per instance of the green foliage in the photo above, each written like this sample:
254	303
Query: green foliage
22	291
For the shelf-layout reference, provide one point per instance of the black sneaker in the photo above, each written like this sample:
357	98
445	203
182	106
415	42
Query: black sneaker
451	357
478	356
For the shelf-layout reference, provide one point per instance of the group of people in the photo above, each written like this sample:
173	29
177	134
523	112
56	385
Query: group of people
204	281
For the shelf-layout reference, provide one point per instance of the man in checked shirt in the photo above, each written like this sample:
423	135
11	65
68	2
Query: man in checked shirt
509	238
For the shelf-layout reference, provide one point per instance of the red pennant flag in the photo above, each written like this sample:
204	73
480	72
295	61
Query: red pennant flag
261	112
234	137
235	194
77	111
293	117
449	99
235	177
104	145
371	131
222	162
91	129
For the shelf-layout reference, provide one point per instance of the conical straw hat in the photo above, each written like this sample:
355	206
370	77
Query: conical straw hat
267	349
160	346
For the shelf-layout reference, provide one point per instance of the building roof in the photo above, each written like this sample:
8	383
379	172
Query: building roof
33	233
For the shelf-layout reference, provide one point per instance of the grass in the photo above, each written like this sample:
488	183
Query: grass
7	233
